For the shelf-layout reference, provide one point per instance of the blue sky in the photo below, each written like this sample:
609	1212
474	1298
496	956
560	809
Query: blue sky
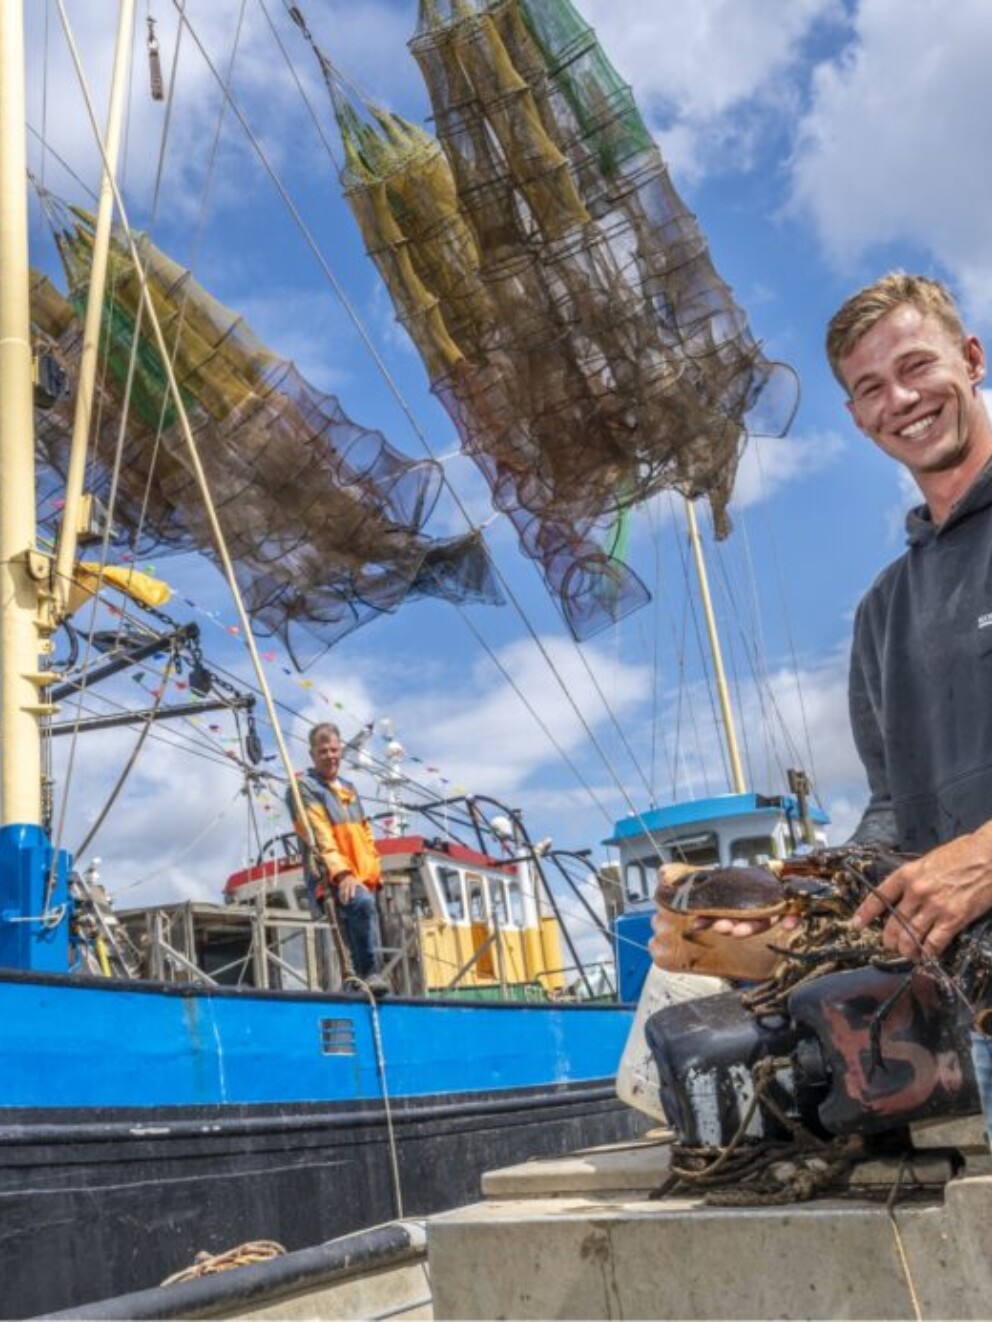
819	142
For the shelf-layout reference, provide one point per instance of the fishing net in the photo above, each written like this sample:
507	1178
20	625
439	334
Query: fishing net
560	293
322	517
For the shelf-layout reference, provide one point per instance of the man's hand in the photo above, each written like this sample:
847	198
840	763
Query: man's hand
347	885
934	897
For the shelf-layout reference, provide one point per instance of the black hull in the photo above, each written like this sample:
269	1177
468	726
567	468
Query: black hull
93	1206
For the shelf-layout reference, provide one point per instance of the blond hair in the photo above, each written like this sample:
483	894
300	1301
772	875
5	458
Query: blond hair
863	310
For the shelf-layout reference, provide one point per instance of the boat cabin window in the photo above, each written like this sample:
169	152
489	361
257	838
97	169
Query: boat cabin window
226	957
290	946
451	888
752	849
497	898
477	898
698	850
640	876
420	902
516	903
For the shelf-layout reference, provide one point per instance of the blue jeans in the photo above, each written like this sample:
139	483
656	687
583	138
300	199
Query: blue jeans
359	922
981	1055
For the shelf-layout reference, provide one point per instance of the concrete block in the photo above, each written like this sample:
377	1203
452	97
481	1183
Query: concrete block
630	1168
966	1133
592	1257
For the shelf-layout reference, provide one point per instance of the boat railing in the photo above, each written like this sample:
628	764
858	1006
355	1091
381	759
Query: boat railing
251	946
583	982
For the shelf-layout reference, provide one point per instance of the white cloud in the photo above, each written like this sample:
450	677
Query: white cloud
261	82
698	65
178	827
772	462
371	50
890	150
304	325
482	732
908	496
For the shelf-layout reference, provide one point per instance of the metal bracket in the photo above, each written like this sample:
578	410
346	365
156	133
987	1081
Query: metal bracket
38	565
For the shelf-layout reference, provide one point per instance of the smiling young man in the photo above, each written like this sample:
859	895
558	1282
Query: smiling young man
921	662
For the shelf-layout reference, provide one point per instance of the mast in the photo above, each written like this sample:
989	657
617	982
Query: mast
34	898
21	568
737	783
68	535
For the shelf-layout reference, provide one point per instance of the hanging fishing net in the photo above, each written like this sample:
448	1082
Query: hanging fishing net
561	295
322	517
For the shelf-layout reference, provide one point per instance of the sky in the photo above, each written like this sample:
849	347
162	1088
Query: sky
819	143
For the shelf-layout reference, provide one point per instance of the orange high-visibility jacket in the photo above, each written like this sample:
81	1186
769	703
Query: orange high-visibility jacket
341	831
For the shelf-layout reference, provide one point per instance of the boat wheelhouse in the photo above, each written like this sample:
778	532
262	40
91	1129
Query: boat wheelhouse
454	921
727	829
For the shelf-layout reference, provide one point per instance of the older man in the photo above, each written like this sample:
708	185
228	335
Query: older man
921	664
346	870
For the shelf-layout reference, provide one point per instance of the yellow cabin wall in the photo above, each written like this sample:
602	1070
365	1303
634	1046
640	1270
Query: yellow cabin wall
533	954
551	949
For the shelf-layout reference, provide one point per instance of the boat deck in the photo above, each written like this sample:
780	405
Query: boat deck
582	1238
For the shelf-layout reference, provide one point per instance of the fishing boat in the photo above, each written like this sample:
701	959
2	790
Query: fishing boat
187	1075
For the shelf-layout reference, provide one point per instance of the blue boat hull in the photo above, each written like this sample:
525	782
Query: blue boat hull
141	1123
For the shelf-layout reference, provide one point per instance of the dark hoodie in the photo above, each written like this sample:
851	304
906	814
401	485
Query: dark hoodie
921	680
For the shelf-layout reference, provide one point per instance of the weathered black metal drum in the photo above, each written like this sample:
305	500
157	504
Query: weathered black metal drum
705	1051
921	1067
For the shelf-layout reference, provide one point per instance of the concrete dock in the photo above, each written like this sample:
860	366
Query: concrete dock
582	1238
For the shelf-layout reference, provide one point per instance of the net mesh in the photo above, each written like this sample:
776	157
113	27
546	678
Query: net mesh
322	517
560	293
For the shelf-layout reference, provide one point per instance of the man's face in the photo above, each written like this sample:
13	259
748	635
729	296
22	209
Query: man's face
326	755
913	390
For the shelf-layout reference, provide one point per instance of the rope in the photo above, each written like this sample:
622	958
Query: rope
765	1172
890	1204
209	1264
380	1060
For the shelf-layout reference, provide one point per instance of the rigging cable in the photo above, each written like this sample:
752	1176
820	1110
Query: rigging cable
217	532
753	609
671	757
132	365
121	52
121	780
401	400
787	621
44	92
766	693
49	150
742	605
188	848
728	606
331	71
690	613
